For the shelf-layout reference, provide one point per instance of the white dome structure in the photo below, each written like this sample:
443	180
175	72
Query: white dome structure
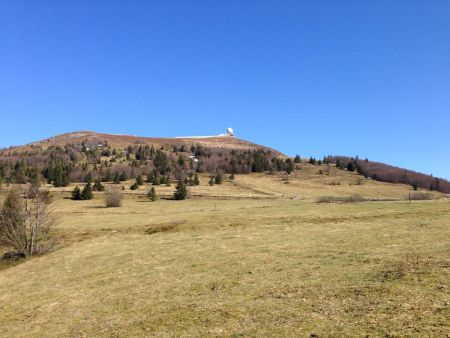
230	132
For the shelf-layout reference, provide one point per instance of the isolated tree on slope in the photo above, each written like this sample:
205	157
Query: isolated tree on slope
181	191
152	194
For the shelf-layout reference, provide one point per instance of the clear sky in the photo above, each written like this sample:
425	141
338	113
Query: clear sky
367	78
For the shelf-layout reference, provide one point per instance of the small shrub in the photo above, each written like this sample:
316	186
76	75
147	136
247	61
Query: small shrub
113	197
135	186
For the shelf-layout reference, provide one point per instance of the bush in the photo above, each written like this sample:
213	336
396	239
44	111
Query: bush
25	223
135	186
113	197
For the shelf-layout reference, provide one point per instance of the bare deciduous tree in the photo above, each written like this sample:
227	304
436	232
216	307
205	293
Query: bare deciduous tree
113	197
26	222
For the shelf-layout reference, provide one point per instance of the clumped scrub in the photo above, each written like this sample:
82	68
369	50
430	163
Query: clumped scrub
420	196
113	197
354	198
163	227
26	222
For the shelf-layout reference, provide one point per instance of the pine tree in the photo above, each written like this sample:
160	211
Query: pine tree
152	194
108	176
181	191
297	159
76	194
350	166
289	165
181	161
196	180
98	186
88	178
87	193
139	180
218	179
123	176
116	178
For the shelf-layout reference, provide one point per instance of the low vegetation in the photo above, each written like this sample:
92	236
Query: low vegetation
354	198
238	267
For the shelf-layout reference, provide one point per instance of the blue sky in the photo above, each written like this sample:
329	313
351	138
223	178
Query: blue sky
367	78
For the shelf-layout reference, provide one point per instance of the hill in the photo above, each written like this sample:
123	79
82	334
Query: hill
72	157
94	139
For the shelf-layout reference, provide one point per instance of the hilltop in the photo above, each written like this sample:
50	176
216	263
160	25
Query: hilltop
96	139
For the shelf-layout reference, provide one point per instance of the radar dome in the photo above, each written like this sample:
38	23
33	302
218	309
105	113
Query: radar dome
230	131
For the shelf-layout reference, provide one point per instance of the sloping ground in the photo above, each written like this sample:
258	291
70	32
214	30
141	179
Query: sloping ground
259	268
306	184
122	141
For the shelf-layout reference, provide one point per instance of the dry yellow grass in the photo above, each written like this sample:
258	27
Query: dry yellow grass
238	266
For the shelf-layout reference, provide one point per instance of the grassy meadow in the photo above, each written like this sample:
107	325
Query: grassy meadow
254	257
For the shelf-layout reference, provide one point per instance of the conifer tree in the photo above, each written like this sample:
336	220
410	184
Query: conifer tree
76	194
98	186
196	180
123	176
218	179
289	165
108	176
139	180
116	178
87	193
297	159
181	191
152	194
88	178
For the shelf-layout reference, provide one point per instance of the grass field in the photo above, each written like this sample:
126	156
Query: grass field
258	259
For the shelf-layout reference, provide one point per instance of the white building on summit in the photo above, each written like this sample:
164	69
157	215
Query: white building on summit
228	132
